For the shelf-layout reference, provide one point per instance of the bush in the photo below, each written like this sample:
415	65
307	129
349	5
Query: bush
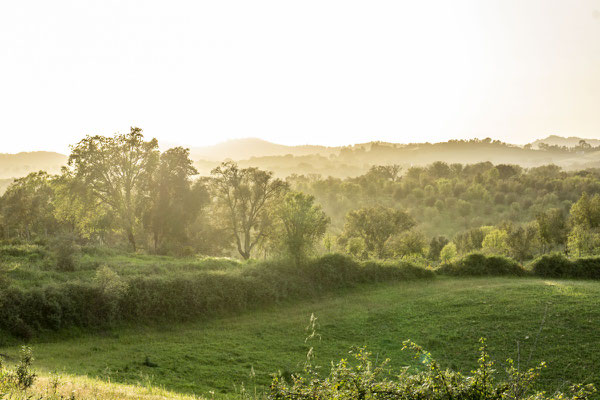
22	377
63	249
362	379
111	298
477	264
558	266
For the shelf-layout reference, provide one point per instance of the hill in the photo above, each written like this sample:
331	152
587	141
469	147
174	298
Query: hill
344	161
21	164
446	316
350	161
571	141
241	149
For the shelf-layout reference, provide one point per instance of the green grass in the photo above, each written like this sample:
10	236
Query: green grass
32	266
447	316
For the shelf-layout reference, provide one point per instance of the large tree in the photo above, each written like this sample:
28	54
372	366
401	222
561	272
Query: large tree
117	170
176	200
375	225
27	207
246	198
302	223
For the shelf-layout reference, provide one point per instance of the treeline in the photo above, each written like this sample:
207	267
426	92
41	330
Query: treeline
121	191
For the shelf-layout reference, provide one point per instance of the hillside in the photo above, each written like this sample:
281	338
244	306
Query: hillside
241	149
572	141
21	164
446	316
357	159
343	161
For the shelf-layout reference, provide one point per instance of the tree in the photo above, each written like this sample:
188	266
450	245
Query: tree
355	246
176	201
552	228
27	207
586	211
582	241
435	247
495	242
78	210
448	253
118	170
302	223
409	243
375	225
246	198
521	241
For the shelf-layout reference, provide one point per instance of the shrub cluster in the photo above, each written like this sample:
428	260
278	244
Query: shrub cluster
477	264
558	266
365	379
110	298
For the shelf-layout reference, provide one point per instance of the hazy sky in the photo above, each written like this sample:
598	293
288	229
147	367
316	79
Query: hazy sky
295	72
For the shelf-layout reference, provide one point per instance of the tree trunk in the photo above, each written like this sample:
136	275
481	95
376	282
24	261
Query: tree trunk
132	240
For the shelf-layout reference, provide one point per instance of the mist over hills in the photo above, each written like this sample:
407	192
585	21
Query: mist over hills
242	149
21	164
344	161
572	141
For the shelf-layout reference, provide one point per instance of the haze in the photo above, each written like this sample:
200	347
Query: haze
319	72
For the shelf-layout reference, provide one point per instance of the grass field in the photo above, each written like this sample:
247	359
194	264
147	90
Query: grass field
554	321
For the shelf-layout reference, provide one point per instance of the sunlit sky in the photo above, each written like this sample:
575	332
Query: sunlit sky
296	72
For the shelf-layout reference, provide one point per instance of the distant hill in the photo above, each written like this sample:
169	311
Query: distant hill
242	149
344	161
357	159
21	164
571	141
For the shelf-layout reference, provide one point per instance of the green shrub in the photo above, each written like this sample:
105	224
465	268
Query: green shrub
63	250
365	379
558	266
221	288
477	264
21	377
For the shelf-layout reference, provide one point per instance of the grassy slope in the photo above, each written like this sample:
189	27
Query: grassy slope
446	316
63	387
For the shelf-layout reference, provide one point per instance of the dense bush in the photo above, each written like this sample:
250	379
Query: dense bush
558	266
363	379
110	298
476	264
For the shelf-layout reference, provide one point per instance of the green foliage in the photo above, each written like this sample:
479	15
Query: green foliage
365	378
63	249
552	227
21	377
375	225
110	298
558	266
27	207
302	224
448	253
356	247
495	243
435	247
117	171
246	197
582	241
412	243
476	264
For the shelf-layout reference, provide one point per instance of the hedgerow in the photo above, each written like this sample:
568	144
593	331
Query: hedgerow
110	299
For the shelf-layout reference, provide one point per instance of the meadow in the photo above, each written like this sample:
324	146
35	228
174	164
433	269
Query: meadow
527	319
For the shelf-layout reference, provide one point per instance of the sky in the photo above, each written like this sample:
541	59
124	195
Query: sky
296	72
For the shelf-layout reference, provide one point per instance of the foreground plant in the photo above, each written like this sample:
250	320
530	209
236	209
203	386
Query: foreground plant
21	377
364	379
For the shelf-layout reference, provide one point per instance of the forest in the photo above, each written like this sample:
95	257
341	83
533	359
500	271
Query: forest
122	192
128	240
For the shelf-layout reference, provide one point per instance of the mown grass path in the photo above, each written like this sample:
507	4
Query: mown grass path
446	316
